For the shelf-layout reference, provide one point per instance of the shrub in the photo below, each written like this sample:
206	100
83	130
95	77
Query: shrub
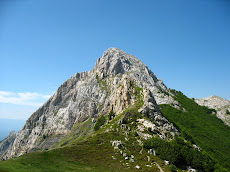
178	152
172	168
44	136
124	121
111	115
187	136
149	129
99	122
136	134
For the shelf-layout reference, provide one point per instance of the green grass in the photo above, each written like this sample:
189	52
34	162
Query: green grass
203	127
79	132
94	154
100	121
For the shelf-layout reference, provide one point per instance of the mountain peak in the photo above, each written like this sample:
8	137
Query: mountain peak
113	49
115	61
117	82
113	53
213	96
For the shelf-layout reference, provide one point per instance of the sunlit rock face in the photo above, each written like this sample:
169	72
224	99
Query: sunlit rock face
109	85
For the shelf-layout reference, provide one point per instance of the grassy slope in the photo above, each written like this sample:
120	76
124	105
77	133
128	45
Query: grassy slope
206	129
92	153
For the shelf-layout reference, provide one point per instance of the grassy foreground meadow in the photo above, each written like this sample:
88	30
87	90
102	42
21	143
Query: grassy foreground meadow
88	153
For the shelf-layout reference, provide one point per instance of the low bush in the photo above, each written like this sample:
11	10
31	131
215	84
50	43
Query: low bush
99	122
111	115
179	152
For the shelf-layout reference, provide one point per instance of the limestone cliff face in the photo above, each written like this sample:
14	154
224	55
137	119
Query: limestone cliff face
109	85
221	105
6	144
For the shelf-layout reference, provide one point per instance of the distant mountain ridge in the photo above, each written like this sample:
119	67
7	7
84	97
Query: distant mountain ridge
221	105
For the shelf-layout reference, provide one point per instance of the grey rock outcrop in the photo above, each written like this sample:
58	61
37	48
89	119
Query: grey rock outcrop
89	95
221	105
7	143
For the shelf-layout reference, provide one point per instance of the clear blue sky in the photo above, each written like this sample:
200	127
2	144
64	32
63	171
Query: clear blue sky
44	42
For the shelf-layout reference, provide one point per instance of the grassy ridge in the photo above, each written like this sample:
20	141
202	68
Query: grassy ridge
203	127
94	154
90	153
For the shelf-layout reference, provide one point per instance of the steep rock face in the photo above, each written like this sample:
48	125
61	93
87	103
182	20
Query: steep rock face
109	85
7	143
221	105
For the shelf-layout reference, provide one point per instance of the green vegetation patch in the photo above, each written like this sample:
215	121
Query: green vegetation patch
101	121
111	115
202	127
79	132
227	112
91	155
138	92
179	152
102	84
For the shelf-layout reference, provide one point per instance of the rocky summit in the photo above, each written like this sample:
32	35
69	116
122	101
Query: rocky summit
120	116
110	85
